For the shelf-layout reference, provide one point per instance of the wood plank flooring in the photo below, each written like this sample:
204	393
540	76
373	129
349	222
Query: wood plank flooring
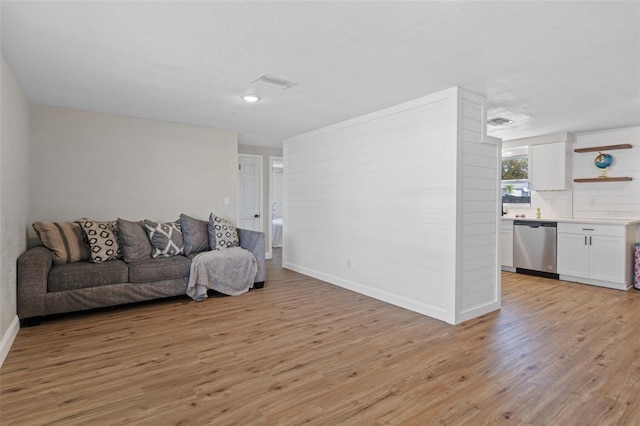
303	351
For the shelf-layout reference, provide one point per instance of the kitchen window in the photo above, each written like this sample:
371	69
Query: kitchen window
516	188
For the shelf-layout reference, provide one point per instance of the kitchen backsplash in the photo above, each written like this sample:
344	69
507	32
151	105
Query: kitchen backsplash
552	204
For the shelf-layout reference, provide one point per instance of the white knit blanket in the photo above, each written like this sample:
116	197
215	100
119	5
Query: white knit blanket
229	271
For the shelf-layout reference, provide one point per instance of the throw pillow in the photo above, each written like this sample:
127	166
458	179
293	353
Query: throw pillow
103	240
166	238
134	241
66	241
194	234
222	233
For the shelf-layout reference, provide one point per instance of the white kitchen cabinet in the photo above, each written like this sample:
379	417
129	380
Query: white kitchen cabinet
573	254
607	258
596	254
506	245
550	166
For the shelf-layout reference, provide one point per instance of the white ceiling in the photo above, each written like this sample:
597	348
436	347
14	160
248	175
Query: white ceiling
549	66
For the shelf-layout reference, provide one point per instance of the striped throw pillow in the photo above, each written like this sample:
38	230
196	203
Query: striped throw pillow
66	241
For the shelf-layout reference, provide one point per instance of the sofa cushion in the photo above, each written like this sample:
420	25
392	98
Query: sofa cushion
73	276
67	241
166	238
103	240
194	234
222	233
134	241
162	268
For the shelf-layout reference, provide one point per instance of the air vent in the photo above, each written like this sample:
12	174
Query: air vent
273	81
498	121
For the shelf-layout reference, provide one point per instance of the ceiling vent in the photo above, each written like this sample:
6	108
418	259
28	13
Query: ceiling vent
498	121
273	81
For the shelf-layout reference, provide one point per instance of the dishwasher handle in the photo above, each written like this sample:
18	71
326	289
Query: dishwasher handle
535	224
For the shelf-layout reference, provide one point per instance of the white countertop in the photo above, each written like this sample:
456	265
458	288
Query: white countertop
569	220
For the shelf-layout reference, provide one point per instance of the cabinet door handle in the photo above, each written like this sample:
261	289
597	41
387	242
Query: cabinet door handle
585	240
588	229
589	240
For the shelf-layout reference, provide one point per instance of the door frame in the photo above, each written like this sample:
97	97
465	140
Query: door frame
260	184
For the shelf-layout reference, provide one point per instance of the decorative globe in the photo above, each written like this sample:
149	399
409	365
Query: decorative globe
602	161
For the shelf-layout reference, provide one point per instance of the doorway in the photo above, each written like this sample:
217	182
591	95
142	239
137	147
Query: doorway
276	176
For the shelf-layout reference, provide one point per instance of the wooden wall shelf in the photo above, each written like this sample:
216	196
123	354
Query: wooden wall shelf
604	148
604	179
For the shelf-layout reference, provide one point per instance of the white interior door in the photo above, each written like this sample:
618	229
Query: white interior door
250	192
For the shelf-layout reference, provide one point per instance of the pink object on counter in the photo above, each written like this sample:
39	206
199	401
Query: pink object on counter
636	282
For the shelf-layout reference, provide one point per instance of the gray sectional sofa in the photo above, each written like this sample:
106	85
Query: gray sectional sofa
46	287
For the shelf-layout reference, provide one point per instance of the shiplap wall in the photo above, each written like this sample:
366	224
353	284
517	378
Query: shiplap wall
479	279
608	200
373	204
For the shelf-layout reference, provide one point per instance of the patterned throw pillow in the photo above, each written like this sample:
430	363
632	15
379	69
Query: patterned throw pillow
166	238
66	241
222	234
103	240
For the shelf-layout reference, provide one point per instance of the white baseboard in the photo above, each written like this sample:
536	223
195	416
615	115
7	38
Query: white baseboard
8	338
608	284
420	307
477	311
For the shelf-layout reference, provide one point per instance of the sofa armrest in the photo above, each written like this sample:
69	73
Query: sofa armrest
33	271
254	242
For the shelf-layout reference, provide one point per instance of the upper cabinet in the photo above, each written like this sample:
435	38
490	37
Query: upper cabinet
550	166
550	160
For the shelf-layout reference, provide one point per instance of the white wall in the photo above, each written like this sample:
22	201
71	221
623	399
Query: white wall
608	200
597	200
372	204
87	164
14	197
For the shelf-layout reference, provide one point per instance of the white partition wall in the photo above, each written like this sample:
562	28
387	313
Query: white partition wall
478	282
400	205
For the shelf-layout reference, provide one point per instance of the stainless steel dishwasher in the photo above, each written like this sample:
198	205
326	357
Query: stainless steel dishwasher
534	247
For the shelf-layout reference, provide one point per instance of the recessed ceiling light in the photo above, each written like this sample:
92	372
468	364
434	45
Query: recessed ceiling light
251	98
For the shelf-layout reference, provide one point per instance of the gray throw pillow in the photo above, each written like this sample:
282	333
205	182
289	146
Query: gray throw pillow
134	241
194	234
166	238
222	233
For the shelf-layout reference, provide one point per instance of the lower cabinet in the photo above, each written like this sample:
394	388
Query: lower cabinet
596	254
506	244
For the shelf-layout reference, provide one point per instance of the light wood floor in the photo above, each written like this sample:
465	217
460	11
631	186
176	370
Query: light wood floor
303	351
